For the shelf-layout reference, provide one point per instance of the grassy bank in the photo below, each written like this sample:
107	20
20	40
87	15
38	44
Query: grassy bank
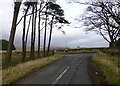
13	73
107	67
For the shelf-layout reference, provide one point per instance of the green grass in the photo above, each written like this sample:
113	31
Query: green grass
110	75
106	68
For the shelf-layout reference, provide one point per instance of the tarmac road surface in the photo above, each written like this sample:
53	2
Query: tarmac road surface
72	69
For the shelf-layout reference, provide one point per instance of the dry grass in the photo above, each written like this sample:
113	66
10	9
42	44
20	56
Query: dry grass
13	73
108	66
107	60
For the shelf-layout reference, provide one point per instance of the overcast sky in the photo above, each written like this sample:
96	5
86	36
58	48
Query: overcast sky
74	36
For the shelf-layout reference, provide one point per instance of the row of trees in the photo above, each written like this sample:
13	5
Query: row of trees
103	17
48	15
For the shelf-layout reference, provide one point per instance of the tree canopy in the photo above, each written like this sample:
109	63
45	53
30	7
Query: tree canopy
103	18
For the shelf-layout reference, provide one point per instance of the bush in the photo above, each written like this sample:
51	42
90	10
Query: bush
4	44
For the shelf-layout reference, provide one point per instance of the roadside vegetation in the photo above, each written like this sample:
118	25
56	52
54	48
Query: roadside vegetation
5	45
106	69
13	73
17	58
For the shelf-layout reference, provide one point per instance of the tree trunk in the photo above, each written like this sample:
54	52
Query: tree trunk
34	31
118	45
23	36
13	30
44	46
32	36
112	47
112	42
27	34
39	33
51	27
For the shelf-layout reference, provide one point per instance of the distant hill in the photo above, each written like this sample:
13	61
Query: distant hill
57	48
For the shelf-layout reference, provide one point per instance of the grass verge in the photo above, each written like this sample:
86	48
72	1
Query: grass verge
108	67
13	73
16	58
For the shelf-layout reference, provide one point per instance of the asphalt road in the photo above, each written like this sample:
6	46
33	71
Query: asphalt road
72	69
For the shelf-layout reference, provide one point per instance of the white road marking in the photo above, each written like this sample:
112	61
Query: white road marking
77	65
75	69
60	76
80	62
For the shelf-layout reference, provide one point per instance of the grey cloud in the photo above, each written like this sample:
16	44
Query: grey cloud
73	38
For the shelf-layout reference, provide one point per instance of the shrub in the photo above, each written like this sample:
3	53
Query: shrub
4	44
